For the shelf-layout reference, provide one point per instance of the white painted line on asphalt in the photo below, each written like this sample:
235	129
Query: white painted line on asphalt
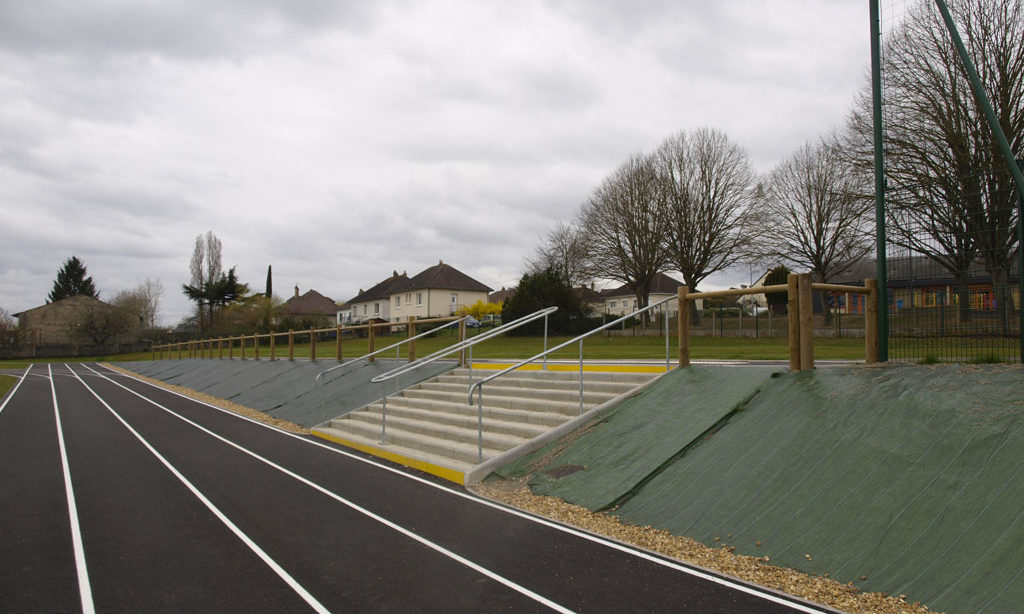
84	587
10	393
695	571
391	525
284	575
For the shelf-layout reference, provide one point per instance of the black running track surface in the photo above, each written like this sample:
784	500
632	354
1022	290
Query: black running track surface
183	507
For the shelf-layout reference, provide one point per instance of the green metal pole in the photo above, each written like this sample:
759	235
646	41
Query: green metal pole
876	107
997	132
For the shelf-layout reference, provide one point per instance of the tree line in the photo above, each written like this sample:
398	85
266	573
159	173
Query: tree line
695	206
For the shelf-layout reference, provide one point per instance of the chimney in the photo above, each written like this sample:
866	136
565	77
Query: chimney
296	290
440	262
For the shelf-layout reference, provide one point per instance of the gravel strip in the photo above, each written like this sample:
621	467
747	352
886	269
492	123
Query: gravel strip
758	570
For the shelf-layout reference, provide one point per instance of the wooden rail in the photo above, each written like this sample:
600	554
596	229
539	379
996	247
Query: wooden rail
199	348
801	316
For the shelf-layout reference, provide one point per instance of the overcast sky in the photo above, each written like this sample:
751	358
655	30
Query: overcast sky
338	141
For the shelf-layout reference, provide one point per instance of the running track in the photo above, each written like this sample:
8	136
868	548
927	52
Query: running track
118	496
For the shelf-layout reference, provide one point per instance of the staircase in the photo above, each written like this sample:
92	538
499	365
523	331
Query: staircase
431	425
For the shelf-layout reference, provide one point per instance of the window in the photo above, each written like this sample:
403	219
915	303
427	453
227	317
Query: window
611	305
364	310
376	308
455	299
398	301
634	303
419	298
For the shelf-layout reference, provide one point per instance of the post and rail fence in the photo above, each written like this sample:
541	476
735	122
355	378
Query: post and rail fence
206	348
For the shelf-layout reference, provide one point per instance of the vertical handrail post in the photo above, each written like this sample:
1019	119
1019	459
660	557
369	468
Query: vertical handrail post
664	314
412	341
370	341
581	377
383	414
480	424
462	337
545	367
683	328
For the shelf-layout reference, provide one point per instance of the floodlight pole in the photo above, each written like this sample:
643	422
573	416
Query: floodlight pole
876	107
997	131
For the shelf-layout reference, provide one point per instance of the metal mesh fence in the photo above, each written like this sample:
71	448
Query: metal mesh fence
954	270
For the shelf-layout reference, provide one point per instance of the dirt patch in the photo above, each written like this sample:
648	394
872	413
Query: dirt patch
241	410
759	570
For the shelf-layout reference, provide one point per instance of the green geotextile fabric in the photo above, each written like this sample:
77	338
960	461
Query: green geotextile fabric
285	389
641	435
905	480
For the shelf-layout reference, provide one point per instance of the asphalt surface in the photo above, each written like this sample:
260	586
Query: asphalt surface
118	496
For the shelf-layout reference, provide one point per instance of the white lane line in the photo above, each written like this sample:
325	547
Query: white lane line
284	575
10	394
84	587
391	525
766	594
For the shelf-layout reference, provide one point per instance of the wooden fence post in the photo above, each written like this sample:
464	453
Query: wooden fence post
291	344
256	346
220	347
369	337
231	348
683	326
272	336
412	344
338	337
793	308
806	323
312	345
871	322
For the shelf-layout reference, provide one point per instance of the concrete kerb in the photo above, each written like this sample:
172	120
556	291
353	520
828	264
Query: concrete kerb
480	472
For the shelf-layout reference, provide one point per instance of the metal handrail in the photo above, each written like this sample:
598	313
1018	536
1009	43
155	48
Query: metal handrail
478	386
316	382
458	347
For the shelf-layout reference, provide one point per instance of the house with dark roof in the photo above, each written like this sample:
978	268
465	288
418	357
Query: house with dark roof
312	308
439	291
622	300
373	304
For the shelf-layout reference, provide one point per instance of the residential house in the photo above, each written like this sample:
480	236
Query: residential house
439	291
622	300
500	296
312	309
375	303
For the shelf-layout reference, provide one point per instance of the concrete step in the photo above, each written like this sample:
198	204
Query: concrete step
393	448
463	449
495	436
490	402
499	421
514	398
455	391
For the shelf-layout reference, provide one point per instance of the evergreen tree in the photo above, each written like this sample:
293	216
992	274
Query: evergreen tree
545	289
72	281
270	283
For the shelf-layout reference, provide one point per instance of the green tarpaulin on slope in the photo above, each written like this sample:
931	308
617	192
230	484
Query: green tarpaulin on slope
643	433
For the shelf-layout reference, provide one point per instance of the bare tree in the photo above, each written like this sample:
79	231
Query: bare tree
625	224
705	182
206	270
564	251
143	301
949	195
816	215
